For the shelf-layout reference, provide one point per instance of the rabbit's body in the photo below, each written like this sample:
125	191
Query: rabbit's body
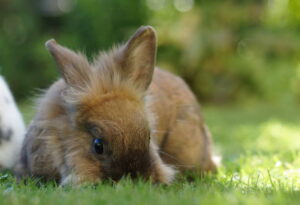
111	119
12	128
180	132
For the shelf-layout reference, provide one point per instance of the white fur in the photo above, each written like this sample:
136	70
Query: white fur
10	119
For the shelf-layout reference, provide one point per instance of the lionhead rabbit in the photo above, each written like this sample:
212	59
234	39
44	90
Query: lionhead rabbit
12	128
116	116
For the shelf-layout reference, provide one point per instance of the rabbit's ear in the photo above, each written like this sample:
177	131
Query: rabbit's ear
138	56
73	67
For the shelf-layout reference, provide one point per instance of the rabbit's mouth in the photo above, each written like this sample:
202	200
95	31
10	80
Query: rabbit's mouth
135	164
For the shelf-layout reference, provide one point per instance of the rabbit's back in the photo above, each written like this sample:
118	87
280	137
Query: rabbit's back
180	131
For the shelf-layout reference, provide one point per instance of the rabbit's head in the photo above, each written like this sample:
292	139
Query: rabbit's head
110	127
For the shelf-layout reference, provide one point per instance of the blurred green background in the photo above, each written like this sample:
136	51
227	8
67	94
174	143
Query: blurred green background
228	51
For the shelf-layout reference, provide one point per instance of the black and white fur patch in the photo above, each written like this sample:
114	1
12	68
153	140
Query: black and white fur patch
12	128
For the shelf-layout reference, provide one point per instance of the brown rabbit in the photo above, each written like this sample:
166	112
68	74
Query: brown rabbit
116	116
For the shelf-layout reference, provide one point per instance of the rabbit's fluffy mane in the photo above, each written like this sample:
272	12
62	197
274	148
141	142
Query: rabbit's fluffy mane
104	75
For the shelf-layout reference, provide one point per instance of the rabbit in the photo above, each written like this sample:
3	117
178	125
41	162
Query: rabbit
115	116
12	128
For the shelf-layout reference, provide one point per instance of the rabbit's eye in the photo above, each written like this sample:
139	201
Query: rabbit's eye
98	146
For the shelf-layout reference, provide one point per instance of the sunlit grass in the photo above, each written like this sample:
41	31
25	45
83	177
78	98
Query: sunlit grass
261	165
260	145
276	135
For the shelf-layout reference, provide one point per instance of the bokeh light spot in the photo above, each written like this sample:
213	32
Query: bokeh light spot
183	5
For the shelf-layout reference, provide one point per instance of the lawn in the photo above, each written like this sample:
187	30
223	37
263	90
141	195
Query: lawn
260	147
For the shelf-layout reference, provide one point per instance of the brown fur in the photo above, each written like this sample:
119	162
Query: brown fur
150	126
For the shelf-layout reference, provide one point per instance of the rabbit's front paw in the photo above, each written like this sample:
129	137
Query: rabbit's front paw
75	180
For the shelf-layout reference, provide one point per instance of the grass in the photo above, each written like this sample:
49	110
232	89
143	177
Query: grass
260	147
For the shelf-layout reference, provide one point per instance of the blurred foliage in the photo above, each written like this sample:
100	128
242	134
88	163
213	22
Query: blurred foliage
89	26
226	50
